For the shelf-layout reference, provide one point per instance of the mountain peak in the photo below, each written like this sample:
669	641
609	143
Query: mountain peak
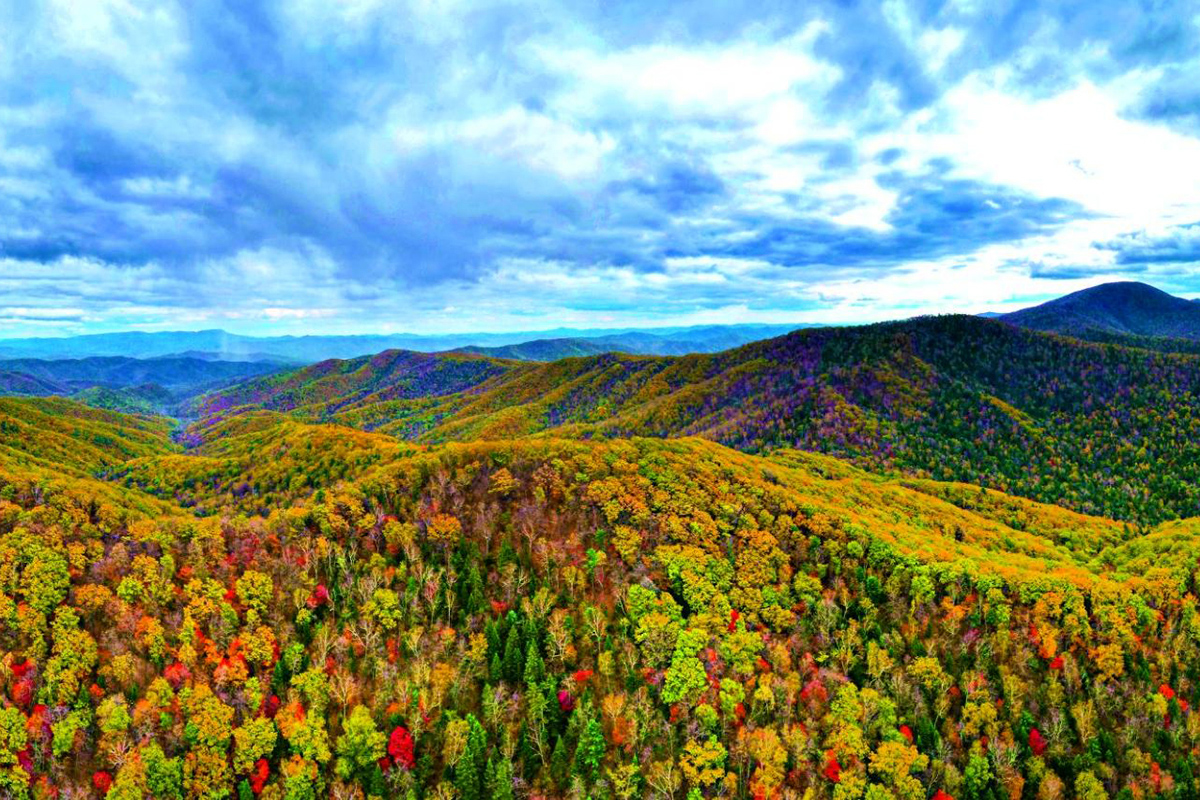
1127	308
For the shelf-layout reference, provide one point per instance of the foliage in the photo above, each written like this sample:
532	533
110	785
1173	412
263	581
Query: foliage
567	618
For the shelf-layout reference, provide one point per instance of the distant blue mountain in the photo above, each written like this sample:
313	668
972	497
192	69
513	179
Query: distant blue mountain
123	383
224	346
707	339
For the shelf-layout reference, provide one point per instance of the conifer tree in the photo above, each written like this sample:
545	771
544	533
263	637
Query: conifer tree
560	763
502	789
514	659
535	668
496	669
590	753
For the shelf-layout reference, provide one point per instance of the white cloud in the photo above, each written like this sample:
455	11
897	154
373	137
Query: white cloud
1075	145
933	46
728	79
537	144
141	40
520	136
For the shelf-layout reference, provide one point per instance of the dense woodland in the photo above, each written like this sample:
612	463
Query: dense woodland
1101	428
567	618
270	604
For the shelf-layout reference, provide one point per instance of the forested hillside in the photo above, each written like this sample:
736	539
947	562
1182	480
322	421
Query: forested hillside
334	385
455	576
295	610
1099	428
1124	308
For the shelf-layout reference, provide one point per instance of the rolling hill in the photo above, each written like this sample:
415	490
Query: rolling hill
307	610
336	384
452	574
176	374
710	339
1099	428
152	385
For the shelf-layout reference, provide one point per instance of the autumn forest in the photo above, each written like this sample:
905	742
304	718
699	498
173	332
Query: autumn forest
947	558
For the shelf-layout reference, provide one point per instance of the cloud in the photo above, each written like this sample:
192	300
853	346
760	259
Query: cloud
294	165
1179	244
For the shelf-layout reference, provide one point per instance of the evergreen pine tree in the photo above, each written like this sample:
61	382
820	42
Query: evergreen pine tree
553	713
503	786
473	599
495	644
489	780
535	668
590	753
467	779
496	669
531	632
514	658
508	554
478	745
375	783
530	761
560	764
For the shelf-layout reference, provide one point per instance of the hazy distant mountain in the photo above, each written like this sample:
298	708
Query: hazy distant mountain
125	384
22	383
707	339
174	374
223	346
1114	310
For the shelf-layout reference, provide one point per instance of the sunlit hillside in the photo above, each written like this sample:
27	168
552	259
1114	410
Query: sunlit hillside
285	609
1099	428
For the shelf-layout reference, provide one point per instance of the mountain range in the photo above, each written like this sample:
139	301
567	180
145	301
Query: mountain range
954	398
946	557
152	385
547	345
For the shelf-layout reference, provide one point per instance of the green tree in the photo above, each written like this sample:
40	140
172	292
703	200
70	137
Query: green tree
361	744
255	590
535	668
46	580
513	657
590	753
252	741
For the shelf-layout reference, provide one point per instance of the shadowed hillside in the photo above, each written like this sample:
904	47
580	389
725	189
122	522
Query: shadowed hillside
1127	308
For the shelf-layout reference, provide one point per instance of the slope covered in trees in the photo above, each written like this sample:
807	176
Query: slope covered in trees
1098	428
1125	308
325	388
568	618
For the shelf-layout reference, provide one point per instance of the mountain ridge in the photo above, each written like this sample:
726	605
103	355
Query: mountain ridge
1127	308
952	397
219	344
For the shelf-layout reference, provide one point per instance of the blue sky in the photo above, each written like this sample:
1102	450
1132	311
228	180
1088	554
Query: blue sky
364	165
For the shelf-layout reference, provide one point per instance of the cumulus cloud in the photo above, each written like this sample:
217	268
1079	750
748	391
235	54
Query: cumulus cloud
291	165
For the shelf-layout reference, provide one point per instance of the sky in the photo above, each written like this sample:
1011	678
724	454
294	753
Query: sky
377	166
